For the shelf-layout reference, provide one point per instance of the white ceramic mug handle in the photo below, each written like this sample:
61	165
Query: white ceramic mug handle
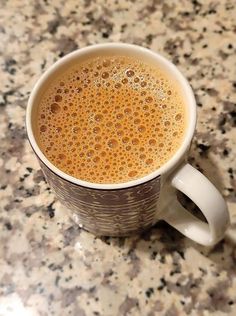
205	195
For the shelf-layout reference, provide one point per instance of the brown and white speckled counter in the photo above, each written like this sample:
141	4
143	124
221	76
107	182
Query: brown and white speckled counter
48	266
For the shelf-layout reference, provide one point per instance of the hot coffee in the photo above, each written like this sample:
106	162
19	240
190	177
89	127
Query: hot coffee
111	119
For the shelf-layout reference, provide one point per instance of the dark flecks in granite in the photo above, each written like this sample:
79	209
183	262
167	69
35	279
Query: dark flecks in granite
66	45
212	92
5	96
57	279
123	27
108	273
23	177
54	267
10	66
162	285
233	117
43	64
225	152
105	34
53	26
203	149
203	271
149	39
51	210
8	226
70	235
231	173
153	255
176	270
149	292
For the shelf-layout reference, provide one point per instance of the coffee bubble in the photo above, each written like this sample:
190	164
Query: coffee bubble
178	117
55	108
118	85
96	130
127	111
118	125
137	121
61	156
58	129
149	99
130	73
152	142
105	75
43	128
132	173
119	116
98	117
106	63
75	129
58	98
112	143
90	153
125	140
135	141
96	159
141	128
149	161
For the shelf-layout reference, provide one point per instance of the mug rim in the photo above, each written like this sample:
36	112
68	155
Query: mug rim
190	128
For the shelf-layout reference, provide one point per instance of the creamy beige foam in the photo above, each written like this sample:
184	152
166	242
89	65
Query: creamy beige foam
111	119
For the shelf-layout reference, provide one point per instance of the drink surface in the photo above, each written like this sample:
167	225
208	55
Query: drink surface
111	119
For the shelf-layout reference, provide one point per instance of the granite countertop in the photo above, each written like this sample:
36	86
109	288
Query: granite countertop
48	265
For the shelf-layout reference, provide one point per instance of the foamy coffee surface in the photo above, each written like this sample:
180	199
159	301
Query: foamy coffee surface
111	119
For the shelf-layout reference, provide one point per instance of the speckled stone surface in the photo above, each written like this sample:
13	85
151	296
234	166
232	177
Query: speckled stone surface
49	266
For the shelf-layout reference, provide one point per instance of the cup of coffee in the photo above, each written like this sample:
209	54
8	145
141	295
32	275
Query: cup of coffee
111	125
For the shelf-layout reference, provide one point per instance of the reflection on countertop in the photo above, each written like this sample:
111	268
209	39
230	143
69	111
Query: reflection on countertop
48	265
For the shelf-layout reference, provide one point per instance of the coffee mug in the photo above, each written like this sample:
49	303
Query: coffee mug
122	209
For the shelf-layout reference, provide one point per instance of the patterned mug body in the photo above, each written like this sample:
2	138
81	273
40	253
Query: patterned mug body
118	212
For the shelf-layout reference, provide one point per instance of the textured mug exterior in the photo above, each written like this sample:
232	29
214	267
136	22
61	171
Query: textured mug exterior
118	212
